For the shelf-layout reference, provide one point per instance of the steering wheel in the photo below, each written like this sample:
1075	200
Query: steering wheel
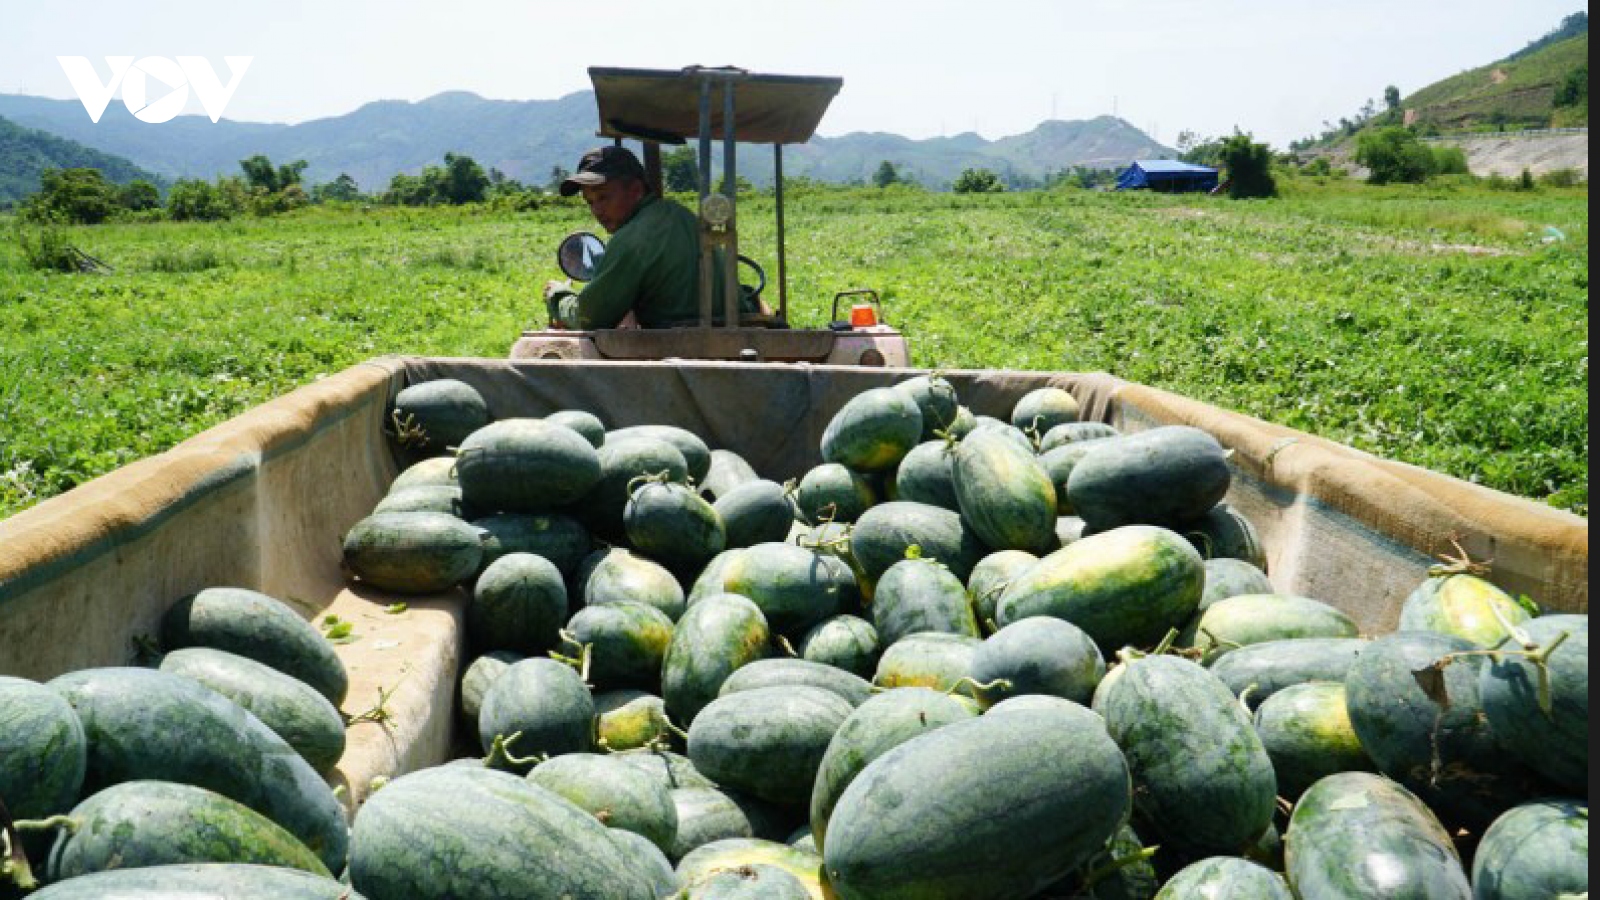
761	277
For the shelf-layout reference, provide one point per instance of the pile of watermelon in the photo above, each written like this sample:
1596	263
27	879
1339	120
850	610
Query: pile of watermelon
963	658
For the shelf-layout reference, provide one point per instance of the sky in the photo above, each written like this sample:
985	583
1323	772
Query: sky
920	68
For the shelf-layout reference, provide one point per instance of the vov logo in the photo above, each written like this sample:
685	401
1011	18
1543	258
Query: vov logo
134	77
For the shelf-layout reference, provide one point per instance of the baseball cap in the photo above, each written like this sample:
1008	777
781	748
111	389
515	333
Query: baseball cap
600	164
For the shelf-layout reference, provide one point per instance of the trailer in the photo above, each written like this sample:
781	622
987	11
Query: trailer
263	501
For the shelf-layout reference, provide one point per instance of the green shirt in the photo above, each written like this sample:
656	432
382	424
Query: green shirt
651	266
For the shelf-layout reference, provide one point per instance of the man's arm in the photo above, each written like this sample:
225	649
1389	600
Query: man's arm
606	299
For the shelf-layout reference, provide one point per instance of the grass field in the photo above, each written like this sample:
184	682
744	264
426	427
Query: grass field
1432	325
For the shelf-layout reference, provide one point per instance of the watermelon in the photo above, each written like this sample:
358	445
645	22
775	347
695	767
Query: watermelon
1205	783
717	636
433	416
932	659
1445	753
434	498
1127	586
874	728
437	471
559	538
44	748
927	475
1121	871
413	553
519	603
919	595
709	581
1225	877
742	853
621	461
1044	408
213	881
614	575
833	493
964	423
1355	835
755	513
1463	605
1535	851
936	400
795	588
1001	829
728	471
1004	494
290	707
147	725
525	465
648	861
674	770
765	673
1076	432
1307	732
844	642
989	580
1258	618
884	533
674	526
617	794
752	882
627	640
1164	476
584	423
1042	655
705	814
695	452
1006	430
467	833
138	824
1224	533
546	703
1058	463
475	681
1259	671
1227	577
629	719
1555	745
253	625
873	431
767	741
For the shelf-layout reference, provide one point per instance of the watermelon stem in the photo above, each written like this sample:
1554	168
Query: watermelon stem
1166	642
1116	865
785	646
380	714
14	860
1460	564
500	753
1431	677
639	481
407	432
978	687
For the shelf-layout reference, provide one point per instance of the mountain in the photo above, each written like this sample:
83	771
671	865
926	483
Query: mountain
526	139
1543	85
26	152
1524	90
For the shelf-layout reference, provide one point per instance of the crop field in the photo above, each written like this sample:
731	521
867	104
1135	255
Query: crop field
1444	326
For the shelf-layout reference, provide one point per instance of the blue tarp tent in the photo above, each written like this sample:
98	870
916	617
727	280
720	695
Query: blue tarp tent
1167	176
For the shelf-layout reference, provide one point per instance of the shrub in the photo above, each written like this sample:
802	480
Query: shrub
1395	155
192	199
978	181
1450	161
73	196
1562	178
1249	167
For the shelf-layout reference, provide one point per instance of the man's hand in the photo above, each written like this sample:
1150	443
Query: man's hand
555	287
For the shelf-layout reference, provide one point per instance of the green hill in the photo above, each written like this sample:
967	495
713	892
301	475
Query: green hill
1521	92
26	152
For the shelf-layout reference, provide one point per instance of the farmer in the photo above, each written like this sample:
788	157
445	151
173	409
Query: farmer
650	271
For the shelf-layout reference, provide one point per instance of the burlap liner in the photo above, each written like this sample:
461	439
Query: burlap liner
263	500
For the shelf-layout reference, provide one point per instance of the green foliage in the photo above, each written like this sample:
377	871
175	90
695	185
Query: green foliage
73	196
978	181
1391	97
1249	168
260	175
886	175
26	153
1575	89
1562	178
139	195
1395	156
340	190
45	246
196	200
680	170
460	180
1428	324
1450	161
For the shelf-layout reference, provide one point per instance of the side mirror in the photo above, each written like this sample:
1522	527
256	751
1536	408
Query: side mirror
579	255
